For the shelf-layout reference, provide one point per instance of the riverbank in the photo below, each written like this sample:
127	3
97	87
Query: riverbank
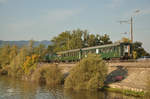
135	76
134	79
126	92
18	89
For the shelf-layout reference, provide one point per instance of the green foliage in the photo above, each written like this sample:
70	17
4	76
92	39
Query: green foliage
137	47
48	74
105	39
61	42
89	73
134	53
18	62
126	92
40	51
4	56
16	65
78	39
91	40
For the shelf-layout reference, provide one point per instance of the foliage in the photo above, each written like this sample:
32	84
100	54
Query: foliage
30	64
4	55
134	53
16	65
126	40
137	47
89	73
126	92
21	61
105	39
48	74
61	42
41	51
78	39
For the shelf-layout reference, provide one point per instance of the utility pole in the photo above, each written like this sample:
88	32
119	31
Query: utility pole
131	24
131	29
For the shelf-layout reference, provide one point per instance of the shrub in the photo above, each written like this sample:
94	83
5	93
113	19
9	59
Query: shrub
90	73
16	64
30	64
47	74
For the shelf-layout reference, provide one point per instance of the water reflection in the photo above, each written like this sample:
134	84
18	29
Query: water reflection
95	95
16	89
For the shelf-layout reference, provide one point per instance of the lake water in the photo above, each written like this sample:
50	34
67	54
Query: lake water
16	89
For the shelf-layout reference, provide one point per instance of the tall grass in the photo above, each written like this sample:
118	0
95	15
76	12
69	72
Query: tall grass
89	73
48	74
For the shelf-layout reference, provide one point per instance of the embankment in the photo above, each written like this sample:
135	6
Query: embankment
134	74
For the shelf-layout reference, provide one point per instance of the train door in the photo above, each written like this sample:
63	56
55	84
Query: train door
126	51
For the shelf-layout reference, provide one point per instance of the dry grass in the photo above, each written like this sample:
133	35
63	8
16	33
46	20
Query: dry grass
130	64
48	74
148	87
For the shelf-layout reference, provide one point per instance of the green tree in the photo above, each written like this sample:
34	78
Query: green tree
85	38
97	39
5	55
105	39
13	52
60	42
40	51
50	49
16	65
137	47
91	40
76	39
31	47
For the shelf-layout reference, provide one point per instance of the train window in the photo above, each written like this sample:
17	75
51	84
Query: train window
97	51
94	50
102	50
107	50
113	48
110	49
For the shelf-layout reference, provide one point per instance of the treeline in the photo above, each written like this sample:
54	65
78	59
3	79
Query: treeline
78	39
82	38
16	61
23	60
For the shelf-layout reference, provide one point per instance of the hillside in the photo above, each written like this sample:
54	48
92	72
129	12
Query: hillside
22	43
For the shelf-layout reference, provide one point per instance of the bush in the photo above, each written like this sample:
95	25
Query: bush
90	73
48	74
30	64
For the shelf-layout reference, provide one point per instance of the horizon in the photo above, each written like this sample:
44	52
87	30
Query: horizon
43	20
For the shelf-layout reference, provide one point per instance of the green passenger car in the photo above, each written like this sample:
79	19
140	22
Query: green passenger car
109	51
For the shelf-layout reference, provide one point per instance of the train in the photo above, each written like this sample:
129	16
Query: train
107	52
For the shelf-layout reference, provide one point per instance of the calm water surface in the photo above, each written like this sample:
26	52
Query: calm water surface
16	89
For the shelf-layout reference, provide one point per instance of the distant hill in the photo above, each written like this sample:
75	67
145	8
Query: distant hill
22	43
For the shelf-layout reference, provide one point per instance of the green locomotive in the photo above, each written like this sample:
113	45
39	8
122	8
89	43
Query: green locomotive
109	51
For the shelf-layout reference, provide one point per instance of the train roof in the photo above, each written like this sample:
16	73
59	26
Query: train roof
74	50
94	47
101	46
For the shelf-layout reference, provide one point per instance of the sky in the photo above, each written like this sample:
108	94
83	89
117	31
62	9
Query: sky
45	19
